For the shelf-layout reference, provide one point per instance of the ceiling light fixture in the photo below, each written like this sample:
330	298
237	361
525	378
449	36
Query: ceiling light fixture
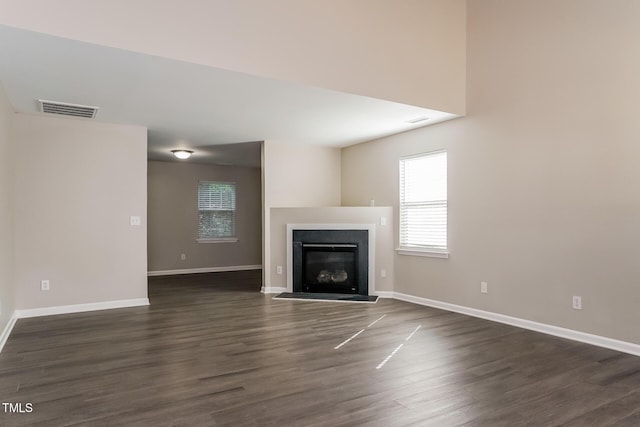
182	154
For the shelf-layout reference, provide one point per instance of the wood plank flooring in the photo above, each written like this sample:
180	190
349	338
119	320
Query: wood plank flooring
211	350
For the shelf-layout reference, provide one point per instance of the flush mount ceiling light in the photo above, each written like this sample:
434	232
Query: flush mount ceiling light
182	154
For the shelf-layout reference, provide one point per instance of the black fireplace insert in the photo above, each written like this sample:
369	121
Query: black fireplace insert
331	261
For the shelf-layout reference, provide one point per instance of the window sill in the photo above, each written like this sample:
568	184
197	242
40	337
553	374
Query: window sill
430	253
219	240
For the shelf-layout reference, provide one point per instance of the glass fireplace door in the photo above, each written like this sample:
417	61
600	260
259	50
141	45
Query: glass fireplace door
330	268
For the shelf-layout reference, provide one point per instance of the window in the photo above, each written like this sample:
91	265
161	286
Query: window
423	204
216	211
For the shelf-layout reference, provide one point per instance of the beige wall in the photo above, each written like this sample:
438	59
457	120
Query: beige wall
280	217
543	173
301	176
352	46
77	184
296	176
7	302
173	217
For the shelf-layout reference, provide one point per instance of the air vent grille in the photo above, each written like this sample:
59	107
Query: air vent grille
65	109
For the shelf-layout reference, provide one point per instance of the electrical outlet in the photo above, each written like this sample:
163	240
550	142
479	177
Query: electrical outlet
135	221
383	273
484	287
183	256
279	269
44	285
577	302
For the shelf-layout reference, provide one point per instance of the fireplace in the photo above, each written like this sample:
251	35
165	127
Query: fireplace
330	268
331	261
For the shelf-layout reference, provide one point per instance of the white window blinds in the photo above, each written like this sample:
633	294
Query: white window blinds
423	202
216	210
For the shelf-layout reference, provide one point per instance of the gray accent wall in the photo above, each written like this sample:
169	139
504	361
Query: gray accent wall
173	217
544	194
7	301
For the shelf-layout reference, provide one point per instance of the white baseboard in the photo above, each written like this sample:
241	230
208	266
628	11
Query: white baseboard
204	270
273	290
79	308
600	341
7	330
383	294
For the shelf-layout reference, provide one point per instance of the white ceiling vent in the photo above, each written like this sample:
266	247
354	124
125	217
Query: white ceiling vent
73	110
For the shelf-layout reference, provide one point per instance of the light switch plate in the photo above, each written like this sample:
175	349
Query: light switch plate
577	302
135	220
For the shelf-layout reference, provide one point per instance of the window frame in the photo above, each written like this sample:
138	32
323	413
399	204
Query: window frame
421	250
225	239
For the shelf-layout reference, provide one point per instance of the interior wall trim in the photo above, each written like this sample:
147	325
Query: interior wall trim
273	289
7	330
384	294
597	340
204	270
80	308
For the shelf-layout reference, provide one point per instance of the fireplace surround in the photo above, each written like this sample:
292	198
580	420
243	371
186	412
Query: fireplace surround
330	258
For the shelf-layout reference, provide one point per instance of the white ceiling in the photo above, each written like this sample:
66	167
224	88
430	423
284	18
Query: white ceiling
184	105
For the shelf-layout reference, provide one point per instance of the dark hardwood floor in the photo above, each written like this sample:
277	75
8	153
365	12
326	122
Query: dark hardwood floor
212	351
